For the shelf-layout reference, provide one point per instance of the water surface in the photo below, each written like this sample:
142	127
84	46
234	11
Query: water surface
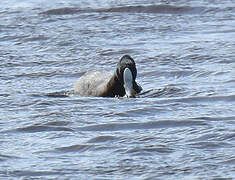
181	127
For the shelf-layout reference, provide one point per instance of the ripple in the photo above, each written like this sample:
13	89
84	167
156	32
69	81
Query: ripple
4	95
149	150
168	91
210	145
147	125
101	139
38	128
229	162
36	38
74	148
60	94
29	173
36	75
207	118
7	157
177	74
57	123
200	99
131	9
146	111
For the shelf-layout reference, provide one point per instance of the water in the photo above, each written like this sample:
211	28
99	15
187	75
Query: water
181	127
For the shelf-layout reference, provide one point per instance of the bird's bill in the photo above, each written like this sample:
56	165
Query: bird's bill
128	83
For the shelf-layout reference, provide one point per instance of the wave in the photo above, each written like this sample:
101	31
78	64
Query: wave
38	128
146	125
167	91
60	94
166	9
167	94
7	157
149	150
74	148
101	139
209	145
32	173
201	99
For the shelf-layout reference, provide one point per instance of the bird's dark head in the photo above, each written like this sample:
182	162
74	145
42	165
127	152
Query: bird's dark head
126	61
126	73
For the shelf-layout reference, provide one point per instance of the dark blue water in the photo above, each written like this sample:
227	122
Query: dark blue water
181	127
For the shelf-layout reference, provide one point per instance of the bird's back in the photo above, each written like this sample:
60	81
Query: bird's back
92	83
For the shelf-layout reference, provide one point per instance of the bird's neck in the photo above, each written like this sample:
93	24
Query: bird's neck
115	87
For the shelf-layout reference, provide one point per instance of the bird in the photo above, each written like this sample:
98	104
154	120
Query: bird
120	83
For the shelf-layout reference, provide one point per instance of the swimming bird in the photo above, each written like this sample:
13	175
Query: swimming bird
119	83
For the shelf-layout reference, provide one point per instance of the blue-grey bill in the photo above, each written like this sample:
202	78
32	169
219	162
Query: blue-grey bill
128	83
